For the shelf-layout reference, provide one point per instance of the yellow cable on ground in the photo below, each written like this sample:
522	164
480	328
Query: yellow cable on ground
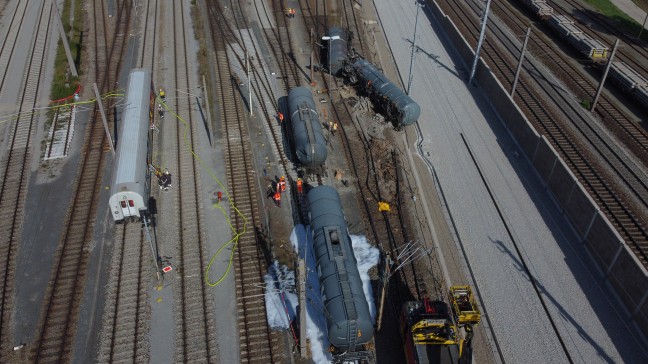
237	234
18	115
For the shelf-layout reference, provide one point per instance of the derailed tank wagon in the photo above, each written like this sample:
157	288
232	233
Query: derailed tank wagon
130	187
385	95
310	145
349	323
338	49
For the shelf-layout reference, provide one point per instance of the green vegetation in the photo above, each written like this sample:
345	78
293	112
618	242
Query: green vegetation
607	8
63	84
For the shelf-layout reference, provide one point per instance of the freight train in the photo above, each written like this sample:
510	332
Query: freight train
349	323
567	29
310	145
630	81
623	75
130	187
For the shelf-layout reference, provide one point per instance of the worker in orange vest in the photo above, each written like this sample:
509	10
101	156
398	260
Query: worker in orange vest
281	117
220	196
277	198
282	184
299	185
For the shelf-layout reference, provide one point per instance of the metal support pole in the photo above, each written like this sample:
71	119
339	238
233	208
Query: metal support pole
302	309
607	69
519	66
643	26
482	34
207	107
409	77
103	117
311	58
153	250
247	66
66	45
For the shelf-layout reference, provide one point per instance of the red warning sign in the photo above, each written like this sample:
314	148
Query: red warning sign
167	269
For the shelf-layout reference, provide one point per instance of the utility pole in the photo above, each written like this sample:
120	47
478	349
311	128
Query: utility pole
247	67
409	78
302	309
311	58
384	278
519	66
103	118
642	26
66	45
607	69
482	34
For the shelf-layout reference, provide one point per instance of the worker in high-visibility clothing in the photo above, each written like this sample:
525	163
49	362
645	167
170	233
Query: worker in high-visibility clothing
280	116
335	126
277	198
299	185
162	95
282	184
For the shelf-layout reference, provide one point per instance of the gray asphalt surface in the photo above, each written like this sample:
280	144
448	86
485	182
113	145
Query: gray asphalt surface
584	311
630	8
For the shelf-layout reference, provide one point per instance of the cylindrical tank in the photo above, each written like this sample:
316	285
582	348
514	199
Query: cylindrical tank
399	105
347	312
310	145
337	49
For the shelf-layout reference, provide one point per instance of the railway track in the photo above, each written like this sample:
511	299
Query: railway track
375	167
125	322
57	326
256	343
195	331
574	145
127	313
639	138
599	27
16	165
625	127
10	41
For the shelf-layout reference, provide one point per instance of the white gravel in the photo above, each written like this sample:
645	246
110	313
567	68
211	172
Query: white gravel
587	320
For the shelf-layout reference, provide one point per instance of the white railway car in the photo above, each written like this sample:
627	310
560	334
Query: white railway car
130	184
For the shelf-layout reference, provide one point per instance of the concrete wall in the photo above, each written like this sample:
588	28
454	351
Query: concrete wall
621	270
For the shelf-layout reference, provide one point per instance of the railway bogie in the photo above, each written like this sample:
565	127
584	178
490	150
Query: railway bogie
397	106
130	181
349	323
310	145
